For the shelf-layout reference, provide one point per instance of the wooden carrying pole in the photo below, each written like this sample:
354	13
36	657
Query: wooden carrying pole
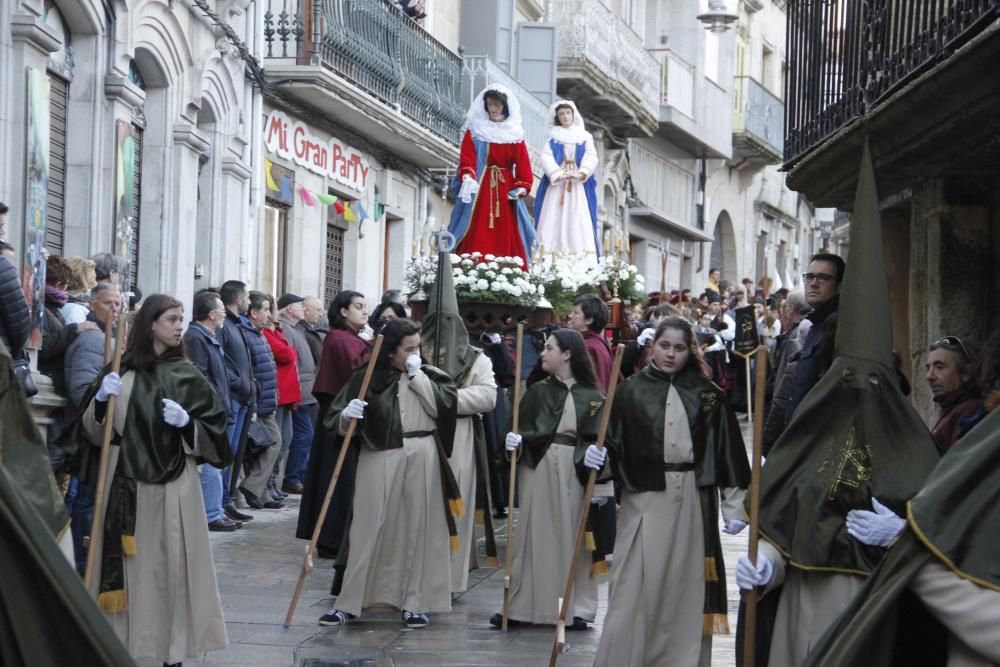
307	564
581	526
511	486
97	523
750	608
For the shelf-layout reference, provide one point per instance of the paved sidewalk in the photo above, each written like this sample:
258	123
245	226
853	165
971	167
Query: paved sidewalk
257	569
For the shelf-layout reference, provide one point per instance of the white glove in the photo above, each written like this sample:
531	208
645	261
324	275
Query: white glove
111	385
595	457
354	410
174	414
494	338
512	442
646	336
469	188
878	528
734	526
749	577
366	333
413	364
516	193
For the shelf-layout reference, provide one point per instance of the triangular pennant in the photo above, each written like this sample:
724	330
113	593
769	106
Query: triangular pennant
359	210
349	214
307	197
326	200
338	206
269	179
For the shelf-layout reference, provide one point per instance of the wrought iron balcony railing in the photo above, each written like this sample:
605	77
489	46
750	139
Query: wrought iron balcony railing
590	31
373	44
847	56
759	115
480	71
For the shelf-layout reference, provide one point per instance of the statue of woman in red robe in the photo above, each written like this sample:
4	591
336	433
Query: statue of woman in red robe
494	175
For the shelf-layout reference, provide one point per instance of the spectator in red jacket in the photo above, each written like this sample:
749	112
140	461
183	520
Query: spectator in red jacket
289	391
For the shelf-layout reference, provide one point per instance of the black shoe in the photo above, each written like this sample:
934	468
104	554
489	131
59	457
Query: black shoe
292	487
500	513
277	494
323	552
253	501
577	624
236	515
222	525
496	620
415	619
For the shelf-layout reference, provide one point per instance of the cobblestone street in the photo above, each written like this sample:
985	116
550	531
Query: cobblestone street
257	568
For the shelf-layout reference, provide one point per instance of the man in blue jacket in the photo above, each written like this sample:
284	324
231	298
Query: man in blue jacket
205	351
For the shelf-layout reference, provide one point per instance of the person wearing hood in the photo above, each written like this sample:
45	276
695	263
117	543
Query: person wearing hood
493	178
566	203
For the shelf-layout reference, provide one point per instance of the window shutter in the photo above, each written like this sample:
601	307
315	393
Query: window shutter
485	29
536	59
55	205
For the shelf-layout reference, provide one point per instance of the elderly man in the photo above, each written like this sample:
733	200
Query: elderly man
951	376
291	314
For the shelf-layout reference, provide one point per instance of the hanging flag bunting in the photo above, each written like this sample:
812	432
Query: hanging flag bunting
349	214
359	210
338	206
271	185
378	209
326	200
307	197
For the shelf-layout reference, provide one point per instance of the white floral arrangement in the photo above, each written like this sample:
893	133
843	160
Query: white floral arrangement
478	277
568	275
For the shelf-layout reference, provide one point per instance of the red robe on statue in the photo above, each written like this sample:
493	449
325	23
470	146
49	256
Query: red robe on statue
493	227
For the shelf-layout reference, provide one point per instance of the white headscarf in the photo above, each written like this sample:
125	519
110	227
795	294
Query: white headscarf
575	133
510	131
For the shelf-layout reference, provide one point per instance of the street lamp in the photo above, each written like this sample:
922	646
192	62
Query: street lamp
717	19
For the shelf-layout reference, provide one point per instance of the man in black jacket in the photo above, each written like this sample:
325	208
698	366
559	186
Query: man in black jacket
14	322
242	394
205	351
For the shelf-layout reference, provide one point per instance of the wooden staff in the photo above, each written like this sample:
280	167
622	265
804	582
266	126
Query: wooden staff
750	609
751	410
97	523
307	564
581	526
511	486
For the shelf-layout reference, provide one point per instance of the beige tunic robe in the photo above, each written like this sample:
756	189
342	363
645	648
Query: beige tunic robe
174	609
657	595
477	396
400	552
810	603
551	498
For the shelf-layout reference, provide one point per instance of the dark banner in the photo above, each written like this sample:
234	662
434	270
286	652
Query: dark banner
747	339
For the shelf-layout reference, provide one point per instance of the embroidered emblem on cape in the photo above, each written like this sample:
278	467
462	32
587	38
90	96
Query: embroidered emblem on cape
851	465
595	406
709	400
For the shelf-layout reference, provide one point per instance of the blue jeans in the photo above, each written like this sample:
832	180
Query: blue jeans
298	452
80	503
211	491
239	412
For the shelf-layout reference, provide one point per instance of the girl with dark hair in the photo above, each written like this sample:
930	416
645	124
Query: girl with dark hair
403	529
388	310
675	445
559	418
156	579
343	352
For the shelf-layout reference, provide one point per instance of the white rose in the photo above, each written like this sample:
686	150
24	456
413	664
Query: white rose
623	274
482	285
495	286
489	257
518	261
516	291
506	271
467	263
491	274
566	284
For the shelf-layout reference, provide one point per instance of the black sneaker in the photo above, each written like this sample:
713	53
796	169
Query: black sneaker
236	515
577	624
335	617
415	620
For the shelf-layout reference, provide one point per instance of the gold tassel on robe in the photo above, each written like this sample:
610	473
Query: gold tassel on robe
128	545
715	624
113	602
599	568
588	541
711	573
456	506
454	542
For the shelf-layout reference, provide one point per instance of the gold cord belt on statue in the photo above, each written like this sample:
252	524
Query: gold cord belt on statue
569	167
496	178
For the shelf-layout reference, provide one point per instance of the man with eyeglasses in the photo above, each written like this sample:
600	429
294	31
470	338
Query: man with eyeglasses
821	282
951	376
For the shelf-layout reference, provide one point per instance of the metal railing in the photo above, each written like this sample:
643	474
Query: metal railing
847	56
676	83
662	185
373	44
758	113
479	71
589	31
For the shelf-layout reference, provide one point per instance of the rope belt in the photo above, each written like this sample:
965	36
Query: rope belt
678	467
496	178
569	166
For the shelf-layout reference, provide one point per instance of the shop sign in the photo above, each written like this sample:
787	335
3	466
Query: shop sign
293	140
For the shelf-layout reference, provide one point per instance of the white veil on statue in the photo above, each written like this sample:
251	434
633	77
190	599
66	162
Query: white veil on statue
575	133
510	131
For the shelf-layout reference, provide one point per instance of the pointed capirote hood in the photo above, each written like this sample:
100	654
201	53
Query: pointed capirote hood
453	337
864	330
854	436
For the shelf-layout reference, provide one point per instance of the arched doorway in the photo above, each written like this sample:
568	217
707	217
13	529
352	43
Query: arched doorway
724	248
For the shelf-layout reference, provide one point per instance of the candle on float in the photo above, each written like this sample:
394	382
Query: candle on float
619	244
607	243
421	246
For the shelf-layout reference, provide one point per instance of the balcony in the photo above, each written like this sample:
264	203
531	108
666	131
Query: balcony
694	111
367	66
758	124
918	76
666	193
479	71
604	67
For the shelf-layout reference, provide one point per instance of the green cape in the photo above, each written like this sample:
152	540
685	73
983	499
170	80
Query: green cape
854	436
